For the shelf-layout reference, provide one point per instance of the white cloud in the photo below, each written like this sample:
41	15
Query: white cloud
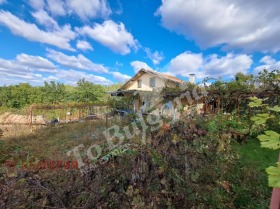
79	62
186	63
119	10
211	66
250	25
83	45
57	7
268	63
25	68
89	8
268	60
228	65
84	9
44	19
34	61
156	57
51	78
112	35
37	4
2	1
27	77
120	77
27	63
138	65
57	37
72	76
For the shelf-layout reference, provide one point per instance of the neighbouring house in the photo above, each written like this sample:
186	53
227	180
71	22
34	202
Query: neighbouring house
144	89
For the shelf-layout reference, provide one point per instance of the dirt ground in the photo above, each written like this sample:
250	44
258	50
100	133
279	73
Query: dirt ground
15	124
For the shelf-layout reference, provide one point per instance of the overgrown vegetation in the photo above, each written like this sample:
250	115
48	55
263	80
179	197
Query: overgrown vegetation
23	94
196	162
191	163
269	119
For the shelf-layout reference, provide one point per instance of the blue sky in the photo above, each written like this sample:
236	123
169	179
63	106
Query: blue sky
108	41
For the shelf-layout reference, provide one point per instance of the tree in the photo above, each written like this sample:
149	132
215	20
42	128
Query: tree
53	92
89	92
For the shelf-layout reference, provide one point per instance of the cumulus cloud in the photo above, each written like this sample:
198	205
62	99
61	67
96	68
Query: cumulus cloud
72	76
156	57
210	66
59	37
25	68
89	8
43	18
29	68
27	63
83	9
34	61
227	65
112	35
78	62
120	77
138	65
185	63
83	45
268	63
20	78
56	7
268	60
237	24
37	4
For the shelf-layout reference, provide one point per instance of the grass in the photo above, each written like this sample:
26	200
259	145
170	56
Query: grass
247	179
52	142
253	153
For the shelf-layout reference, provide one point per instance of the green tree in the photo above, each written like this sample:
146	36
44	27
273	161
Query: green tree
88	92
53	92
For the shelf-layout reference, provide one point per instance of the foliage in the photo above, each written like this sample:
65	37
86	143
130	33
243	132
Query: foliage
270	139
23	94
181	166
88	92
53	92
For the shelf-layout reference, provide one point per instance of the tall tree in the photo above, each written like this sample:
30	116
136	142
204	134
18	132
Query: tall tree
89	92
53	92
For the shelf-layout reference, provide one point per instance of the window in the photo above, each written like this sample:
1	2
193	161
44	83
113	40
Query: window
153	82
139	83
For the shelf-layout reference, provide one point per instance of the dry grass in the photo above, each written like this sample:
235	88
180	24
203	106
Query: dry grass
51	143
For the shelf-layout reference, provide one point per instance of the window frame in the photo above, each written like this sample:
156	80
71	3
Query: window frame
153	86
139	83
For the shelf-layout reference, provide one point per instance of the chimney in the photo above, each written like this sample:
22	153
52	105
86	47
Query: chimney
192	78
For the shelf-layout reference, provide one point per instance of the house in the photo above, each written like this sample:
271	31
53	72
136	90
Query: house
144	89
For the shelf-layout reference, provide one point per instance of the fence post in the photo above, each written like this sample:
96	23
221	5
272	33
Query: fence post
30	117
106	122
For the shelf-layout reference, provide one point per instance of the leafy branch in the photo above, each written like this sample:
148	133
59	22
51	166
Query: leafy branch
270	139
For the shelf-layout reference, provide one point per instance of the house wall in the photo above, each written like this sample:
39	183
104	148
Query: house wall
187	106
160	83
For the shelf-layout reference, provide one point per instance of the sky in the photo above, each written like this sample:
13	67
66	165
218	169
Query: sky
108	41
